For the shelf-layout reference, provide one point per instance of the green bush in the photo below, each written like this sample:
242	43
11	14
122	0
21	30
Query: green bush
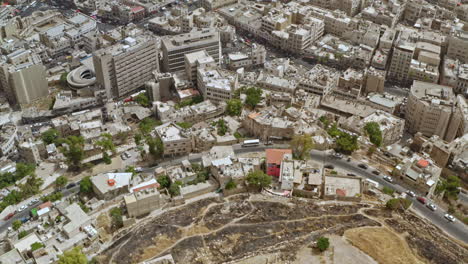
22	234
116	217
36	245
388	190
230	185
323	243
398	203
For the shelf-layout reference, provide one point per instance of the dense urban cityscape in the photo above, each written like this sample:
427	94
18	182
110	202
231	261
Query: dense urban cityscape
233	131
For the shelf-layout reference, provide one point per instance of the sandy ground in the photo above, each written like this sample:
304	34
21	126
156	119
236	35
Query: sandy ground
383	245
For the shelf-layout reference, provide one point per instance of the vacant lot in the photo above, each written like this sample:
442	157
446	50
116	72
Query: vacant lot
252	229
382	245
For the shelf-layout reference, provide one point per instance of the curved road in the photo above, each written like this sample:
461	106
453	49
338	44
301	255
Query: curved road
456	229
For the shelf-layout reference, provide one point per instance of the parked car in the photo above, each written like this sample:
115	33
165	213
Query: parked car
123	157
71	185
376	172
9	216
24	219
363	166
388	178
431	206
337	155
421	199
411	193
139	169
348	160
351	174
449	217
329	166
22	208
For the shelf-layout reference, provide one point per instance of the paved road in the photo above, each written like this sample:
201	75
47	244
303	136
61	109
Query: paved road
456	229
5	224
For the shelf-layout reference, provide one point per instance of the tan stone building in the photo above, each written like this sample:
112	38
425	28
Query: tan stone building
431	111
175	48
175	140
125	67
144	199
23	77
458	45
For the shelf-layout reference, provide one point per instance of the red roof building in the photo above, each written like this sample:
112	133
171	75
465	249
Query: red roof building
274	157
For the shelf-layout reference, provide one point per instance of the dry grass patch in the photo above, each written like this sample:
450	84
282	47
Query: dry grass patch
383	245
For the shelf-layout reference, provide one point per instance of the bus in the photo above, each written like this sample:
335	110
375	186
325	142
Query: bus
251	143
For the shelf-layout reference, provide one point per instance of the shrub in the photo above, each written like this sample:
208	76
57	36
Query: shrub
230	185
323	243
388	190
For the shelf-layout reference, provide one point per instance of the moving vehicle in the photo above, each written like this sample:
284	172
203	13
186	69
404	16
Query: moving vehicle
449	217
376	172
363	166
410	193
431	206
71	185
421	199
388	178
251	143
351	174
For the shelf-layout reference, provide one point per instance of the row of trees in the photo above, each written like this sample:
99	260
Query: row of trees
29	188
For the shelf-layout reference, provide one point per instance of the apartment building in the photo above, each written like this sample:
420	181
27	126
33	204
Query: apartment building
400	64
8	139
195	60
430	110
214	4
123	68
175	141
216	86
458	45
319	80
350	7
144	198
23	77
174	48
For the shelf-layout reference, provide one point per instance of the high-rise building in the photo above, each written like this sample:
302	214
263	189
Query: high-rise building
127	66
458	46
175	48
432	111
23	77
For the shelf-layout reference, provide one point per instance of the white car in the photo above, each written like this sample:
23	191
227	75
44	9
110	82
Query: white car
431	206
449	217
411	193
139	169
22	208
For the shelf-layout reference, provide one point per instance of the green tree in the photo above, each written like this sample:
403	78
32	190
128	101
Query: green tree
106	158
234	107
24	169
388	190
86	186
52	197
36	245
31	187
230	185
106	142
372	130
155	146
61	181
50	136
222	128
146	125
398	204
346	143
73	256
164	181
323	243
254	96
16	224
138	137
63	79
174	190
131	169
371	151
324	121
142	99
116	216
258	179
73	151
22	234
450	187
301	145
